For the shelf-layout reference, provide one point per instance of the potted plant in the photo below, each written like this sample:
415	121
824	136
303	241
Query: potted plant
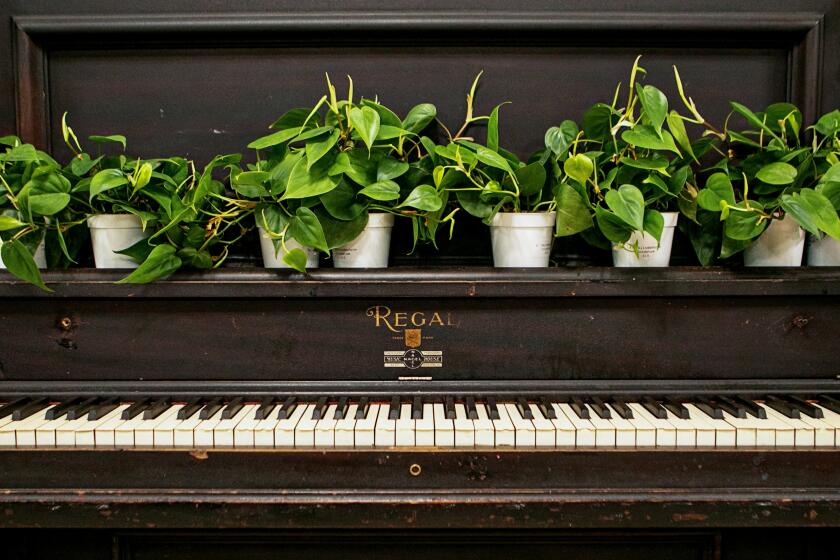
333	177
776	202
824	250
491	183
623	180
34	199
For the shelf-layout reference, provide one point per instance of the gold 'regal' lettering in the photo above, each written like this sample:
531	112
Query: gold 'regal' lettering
436	319
400	319
418	319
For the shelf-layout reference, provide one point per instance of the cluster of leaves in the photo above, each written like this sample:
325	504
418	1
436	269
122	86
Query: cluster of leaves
626	166
326	167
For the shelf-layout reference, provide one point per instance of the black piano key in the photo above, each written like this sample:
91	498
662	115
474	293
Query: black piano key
394	409
417	408
157	408
547	410
751	406
579	407
732	407
782	406
362	408
653	406
676	408
11	407
76	412
524	408
287	408
32	407
829	402
449	408
189	409
213	406
264	410
804	406
232	409
492	409
136	408
341	408
472	411
621	407
709	408
600	408
103	408
320	409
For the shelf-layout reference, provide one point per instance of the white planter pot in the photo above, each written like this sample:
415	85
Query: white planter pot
651	252
40	256
272	259
522	239
114	232
823	252
371	248
781	244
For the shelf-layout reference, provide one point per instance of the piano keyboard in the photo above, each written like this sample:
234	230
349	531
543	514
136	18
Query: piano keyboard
360	423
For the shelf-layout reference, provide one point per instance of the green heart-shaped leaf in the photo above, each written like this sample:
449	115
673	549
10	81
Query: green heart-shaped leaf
777	173
366	122
628	204
579	168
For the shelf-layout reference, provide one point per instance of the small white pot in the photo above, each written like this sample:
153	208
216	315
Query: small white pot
40	256
522	239
823	252
114	232
781	244
651	252
371	248
274	259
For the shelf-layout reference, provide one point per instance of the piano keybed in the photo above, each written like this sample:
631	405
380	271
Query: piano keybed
344	422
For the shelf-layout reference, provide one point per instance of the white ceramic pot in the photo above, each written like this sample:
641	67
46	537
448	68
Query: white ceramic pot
781	244
651	252
522	239
371	248
114	232
274	259
823	252
40	256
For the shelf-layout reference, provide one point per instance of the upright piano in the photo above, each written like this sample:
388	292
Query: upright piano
444	412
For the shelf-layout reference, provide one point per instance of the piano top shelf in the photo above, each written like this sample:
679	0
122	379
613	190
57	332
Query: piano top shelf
440	282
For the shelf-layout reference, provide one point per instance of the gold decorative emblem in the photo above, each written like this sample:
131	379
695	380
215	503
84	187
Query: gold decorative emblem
413	338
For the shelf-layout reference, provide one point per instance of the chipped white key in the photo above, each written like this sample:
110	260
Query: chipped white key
485	435
625	432
243	433
284	430
346	427
723	433
21	433
386	428
444	428
325	428
264	431
464	427
424	428
584	430
203	433
524	431
305	429
544	433
86	434
803	433
565	433
604	429
185	430
666	433
163	432
365	431
223	433
405	427
505	432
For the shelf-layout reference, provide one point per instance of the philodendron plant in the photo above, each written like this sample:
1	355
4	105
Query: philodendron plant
326	167
629	164
770	173
34	199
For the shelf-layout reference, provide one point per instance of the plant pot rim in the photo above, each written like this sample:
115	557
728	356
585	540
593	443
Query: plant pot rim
114	221
380	220
524	219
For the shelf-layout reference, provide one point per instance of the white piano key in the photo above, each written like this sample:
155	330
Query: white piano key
604	430
565	433
724	433
832	419
45	433
464	427
203	433
86	434
686	431
163	431
645	431
364	434
444	428
823	431
65	434
185	430
284	430
772	431
525	436
21	433
243	432
405	427
305	429
346	427
386	428
544	432
424	428
625	432
803	433
485	435
325	428
223	433
264	431
584	430
666	433
505	432
745	429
